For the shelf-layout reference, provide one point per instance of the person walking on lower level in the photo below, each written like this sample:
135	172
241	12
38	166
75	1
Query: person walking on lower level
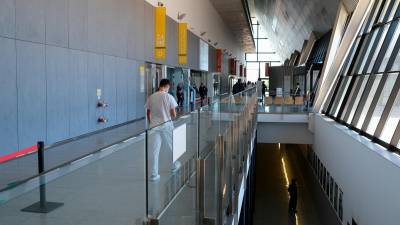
292	189
160	110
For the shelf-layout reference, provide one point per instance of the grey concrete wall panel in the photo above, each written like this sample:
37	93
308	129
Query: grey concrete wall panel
132	89
31	81
8	97
78	93
122	90
114	33
30	20
193	51
57	22
78	24
95	81
172	42
57	105
136	30
110	89
149	32
7	18
95	25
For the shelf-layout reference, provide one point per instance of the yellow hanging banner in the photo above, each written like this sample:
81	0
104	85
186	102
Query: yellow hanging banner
182	43
160	38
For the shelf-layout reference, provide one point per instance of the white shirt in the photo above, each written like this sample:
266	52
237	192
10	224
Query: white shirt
159	104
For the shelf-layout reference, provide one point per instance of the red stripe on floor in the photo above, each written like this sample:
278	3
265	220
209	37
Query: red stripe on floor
17	153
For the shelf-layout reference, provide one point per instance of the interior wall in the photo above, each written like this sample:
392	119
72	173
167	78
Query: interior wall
287	133
55	54
366	172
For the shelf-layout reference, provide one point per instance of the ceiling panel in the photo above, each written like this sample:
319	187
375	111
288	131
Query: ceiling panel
234	16
289	22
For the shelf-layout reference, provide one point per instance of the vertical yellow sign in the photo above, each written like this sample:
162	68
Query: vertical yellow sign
182	43
160	38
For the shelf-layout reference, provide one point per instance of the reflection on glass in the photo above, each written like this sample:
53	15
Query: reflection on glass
351	97
380	105
396	64
378	47
367	104
370	41
357	100
391	121
340	96
389	50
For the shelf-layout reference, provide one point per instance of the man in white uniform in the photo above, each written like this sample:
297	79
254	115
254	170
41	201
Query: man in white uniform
160	110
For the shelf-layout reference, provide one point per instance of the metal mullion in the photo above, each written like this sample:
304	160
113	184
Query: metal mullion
353	99
330	97
346	97
335	93
363	99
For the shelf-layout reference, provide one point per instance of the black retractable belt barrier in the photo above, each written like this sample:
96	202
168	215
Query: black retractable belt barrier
43	206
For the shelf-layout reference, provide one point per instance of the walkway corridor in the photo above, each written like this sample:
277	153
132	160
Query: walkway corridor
276	165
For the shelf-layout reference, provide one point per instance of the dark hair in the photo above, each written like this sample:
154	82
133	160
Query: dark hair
164	82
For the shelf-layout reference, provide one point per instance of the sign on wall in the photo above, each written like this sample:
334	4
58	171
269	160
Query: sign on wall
160	39
182	43
219	60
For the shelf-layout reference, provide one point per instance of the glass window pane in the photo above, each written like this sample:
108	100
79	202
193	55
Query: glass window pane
352	93
371	94
370	41
380	105
389	50
263	45
262	69
396	64
372	16
251	57
377	47
350	57
340	96
391	121
390	7
268	57
350	115
255	33
329	98
252	65
374	46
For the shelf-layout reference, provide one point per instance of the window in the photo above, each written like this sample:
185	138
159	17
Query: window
392	121
380	105
367	96
265	53
356	99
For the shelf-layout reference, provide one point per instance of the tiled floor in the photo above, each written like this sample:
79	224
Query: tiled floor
276	165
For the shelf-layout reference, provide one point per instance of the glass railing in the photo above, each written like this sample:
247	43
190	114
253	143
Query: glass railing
185	171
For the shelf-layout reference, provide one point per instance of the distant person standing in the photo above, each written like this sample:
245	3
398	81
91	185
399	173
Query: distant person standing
180	94
160	110
263	90
203	93
292	189
297	92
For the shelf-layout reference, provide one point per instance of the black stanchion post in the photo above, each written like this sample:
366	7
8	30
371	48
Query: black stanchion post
43	206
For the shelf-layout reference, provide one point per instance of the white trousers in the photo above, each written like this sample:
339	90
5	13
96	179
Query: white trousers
158	136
